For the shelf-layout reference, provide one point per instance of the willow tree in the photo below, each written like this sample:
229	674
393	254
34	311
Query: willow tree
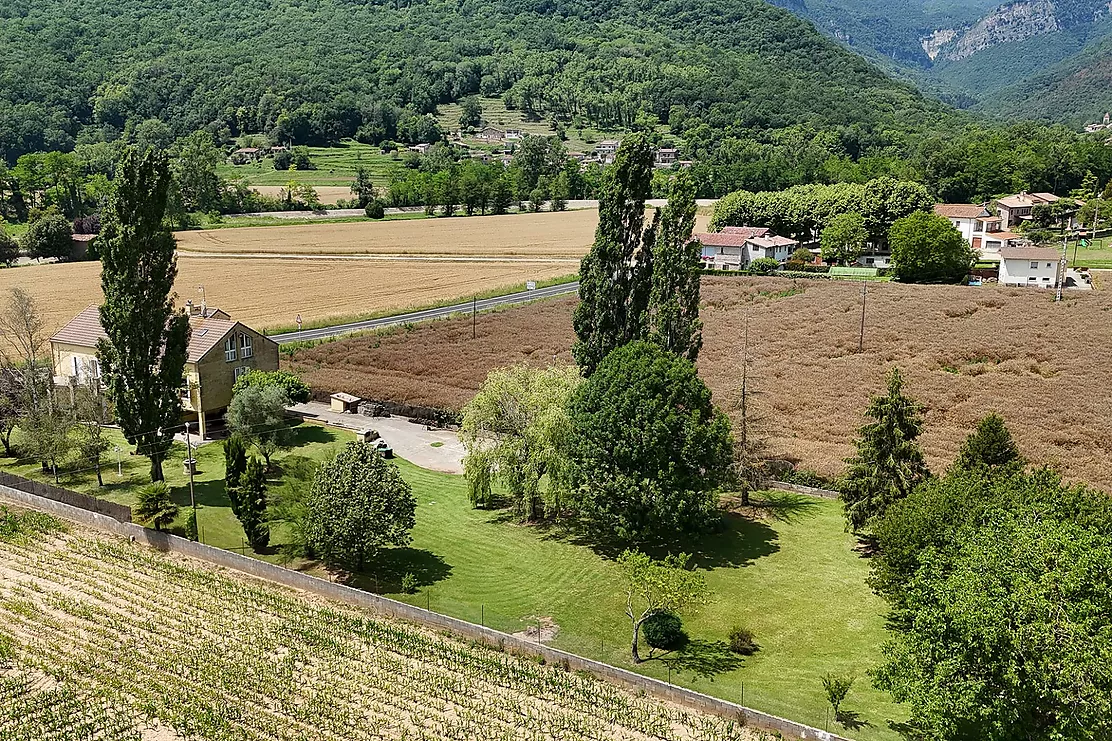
144	351
615	276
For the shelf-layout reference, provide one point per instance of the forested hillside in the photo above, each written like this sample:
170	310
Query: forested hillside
79	70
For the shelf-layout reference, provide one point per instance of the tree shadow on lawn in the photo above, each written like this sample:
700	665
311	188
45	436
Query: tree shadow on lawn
704	659
852	720
385	575
305	433
739	541
784	506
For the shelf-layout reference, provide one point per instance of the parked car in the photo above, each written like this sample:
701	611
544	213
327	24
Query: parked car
384	448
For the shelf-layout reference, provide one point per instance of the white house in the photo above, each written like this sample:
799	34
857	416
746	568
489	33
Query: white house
735	247
979	227
1014	210
1035	267
606	150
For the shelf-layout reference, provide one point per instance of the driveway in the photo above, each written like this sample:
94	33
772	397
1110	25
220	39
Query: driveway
410	441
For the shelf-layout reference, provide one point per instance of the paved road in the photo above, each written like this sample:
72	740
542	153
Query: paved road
510	299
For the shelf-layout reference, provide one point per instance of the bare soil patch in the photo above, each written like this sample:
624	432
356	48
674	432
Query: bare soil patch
964	351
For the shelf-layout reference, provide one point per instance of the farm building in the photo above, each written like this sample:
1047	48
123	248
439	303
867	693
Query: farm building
220	351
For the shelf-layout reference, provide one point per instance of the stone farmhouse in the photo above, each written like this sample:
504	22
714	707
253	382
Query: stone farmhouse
220	351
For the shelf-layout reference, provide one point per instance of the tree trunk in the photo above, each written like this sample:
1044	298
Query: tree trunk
745	495
633	647
100	481
156	468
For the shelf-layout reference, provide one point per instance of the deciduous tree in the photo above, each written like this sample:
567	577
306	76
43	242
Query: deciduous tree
358	503
844	238
615	276
258	414
144	350
674	322
50	236
888	463
926	248
296	390
657	587
512	430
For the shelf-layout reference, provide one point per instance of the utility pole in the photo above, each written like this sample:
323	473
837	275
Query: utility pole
1062	267
190	462
861	337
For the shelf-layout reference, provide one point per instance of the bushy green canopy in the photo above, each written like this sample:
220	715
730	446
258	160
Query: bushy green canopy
647	449
358	503
1000	586
926	248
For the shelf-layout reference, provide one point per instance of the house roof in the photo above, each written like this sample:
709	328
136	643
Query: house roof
1030	253
773	240
960	210
748	231
1003	236
84	330
1020	200
84	237
722	239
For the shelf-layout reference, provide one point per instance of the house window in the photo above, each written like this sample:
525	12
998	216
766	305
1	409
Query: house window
1034	265
1032	278
245	346
1050	264
239	371
1047	279
230	349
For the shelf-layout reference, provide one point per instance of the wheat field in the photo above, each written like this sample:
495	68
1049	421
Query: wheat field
271	292
964	352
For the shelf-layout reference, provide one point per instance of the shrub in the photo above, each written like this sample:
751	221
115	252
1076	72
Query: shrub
155	505
50	236
409	583
296	390
282	159
664	630
375	210
9	248
764	266
807	477
742	641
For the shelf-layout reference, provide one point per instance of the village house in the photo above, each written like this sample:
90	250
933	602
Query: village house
220	351
514	134
244	155
980	228
1014	210
491	133
1029	267
666	157
606	150
735	247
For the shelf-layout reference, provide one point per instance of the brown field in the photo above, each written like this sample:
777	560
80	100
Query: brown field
566	235
328	194
964	352
271	292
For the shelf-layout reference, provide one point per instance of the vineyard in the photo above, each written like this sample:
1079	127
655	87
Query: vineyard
105	639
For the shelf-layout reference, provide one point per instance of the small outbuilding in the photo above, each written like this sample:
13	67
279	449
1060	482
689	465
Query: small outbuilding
342	403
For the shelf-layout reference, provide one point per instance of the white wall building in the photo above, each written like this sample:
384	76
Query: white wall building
981	229
735	247
1030	267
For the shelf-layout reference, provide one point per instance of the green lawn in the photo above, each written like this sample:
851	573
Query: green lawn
335	165
1097	255
787	571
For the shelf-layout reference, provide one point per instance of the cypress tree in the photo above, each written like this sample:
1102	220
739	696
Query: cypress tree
677	263
252	505
144	353
235	463
615	276
889	463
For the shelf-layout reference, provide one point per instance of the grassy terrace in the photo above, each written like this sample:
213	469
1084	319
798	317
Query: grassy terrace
335	166
785	569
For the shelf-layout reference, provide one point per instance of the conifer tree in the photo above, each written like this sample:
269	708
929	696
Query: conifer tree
144	352
889	463
677	263
252	505
235	463
615	276
991	445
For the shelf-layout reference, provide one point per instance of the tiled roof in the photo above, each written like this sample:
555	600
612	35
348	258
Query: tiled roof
772	241
84	330
1027	199
1003	236
722	239
748	231
1030	253
960	210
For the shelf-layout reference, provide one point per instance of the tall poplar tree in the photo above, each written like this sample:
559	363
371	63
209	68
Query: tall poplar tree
143	356
677	262
615	276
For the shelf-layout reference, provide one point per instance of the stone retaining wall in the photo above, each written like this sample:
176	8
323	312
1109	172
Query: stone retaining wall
392	608
801	489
